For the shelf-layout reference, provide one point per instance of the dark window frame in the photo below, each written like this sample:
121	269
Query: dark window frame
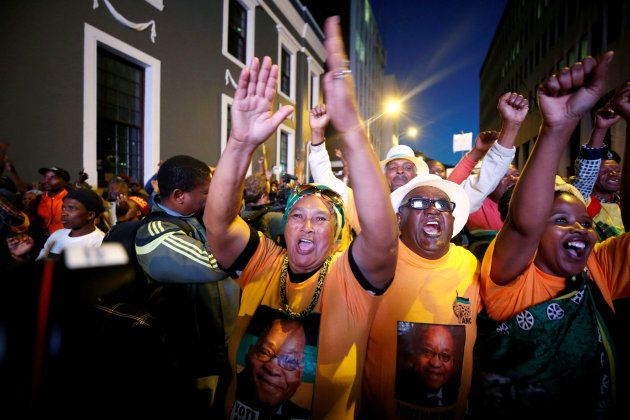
237	30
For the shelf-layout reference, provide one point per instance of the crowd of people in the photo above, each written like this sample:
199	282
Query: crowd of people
391	291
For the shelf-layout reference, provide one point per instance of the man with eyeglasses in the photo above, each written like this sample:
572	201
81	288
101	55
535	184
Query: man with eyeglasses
273	370
435	288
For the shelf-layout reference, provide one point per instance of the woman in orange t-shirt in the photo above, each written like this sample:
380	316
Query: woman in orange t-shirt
548	289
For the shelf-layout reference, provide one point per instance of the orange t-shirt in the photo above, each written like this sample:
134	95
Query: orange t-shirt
608	266
346	309
49	211
424	293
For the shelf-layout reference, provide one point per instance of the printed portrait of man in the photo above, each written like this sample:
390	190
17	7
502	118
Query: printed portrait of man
274	370
429	364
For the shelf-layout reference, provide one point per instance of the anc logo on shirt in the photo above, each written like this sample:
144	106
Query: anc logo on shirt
461	308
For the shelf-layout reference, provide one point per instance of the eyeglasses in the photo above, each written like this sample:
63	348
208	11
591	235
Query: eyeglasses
285	361
430	354
419	203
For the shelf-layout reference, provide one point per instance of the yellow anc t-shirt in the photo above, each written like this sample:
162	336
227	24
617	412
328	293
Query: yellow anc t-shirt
426	297
607	265
344	312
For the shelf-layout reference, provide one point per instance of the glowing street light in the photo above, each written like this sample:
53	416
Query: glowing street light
392	106
411	132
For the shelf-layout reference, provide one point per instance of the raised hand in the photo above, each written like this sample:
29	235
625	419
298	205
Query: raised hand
566	96
513	107
338	83
20	245
485	140
319	118
606	117
621	101
252	119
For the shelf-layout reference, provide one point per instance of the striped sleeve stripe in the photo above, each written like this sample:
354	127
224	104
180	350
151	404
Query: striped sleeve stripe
190	249
155	228
180	245
201	252
186	254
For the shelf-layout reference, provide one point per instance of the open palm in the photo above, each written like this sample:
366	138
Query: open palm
252	119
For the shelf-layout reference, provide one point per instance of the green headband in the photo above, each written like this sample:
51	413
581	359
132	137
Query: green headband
320	191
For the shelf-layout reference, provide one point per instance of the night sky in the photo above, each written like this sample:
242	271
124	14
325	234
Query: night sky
442	44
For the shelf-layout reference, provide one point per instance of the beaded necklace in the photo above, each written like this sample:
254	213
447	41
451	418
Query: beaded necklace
316	294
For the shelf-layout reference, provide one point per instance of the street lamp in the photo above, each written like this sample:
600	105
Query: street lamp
392	107
411	132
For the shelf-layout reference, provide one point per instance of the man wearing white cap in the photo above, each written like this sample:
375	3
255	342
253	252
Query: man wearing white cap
401	164
409	371
399	167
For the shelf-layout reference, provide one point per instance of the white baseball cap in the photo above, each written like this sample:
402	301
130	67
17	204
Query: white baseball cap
402	151
454	191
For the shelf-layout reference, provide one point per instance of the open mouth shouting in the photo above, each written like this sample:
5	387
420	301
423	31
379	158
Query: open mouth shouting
432	227
577	248
305	245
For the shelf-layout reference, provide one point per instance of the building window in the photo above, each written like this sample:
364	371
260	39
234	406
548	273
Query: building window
315	71
119	139
572	13
97	104
571	57
614	21
226	119
237	30
284	151
287	58
314	85
285	71
358	45
584	46
561	20
597	37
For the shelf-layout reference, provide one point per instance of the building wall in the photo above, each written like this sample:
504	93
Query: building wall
367	61
362	38
536	38
42	73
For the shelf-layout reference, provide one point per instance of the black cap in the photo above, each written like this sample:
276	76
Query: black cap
88	198
612	155
61	173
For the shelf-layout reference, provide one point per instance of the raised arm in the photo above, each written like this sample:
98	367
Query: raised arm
563	98
375	248
513	109
318	158
252	123
621	105
589	160
464	167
